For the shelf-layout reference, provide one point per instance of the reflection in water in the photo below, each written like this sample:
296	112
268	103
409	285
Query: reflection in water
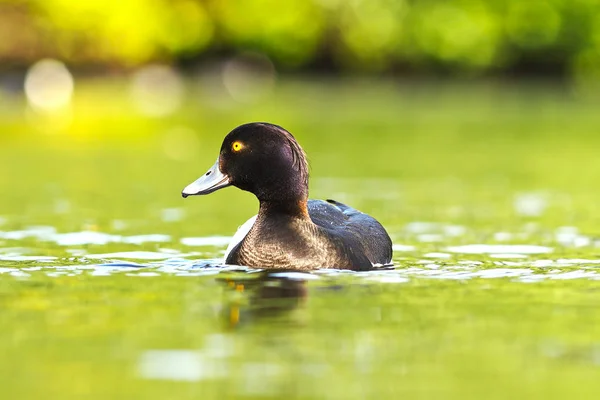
270	294
268	297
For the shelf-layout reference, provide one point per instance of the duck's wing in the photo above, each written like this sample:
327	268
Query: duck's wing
349	222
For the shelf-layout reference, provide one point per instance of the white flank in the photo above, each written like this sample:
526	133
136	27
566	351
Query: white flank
239	235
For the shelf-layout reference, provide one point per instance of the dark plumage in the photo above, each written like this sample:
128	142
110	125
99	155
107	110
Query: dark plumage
290	231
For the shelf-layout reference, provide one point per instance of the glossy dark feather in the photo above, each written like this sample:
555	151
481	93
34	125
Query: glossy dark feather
346	221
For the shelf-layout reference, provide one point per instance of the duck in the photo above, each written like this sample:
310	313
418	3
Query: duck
290	232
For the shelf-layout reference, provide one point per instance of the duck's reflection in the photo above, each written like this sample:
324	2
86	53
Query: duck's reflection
266	295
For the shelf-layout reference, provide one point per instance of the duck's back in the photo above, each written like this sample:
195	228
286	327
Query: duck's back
355	230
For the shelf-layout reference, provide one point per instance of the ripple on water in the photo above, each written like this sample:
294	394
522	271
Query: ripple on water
500	249
49	234
137	255
27	258
206	241
151	265
402	247
518	262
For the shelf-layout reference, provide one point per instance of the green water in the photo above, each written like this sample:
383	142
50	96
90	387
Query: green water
487	190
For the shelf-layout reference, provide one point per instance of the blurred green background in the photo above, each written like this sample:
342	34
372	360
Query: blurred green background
463	37
455	123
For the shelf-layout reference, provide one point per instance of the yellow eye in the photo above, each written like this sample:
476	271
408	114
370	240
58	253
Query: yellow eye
237	146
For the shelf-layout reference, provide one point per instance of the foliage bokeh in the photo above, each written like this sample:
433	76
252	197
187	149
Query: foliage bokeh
451	36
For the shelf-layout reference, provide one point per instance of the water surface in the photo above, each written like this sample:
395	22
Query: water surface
111	285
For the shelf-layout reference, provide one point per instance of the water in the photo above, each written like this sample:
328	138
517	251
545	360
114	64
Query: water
111	285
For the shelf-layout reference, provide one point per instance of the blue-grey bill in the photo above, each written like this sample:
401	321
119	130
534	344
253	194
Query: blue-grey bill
212	180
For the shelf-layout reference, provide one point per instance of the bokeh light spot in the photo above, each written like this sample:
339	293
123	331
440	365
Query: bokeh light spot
49	86
157	90
249	77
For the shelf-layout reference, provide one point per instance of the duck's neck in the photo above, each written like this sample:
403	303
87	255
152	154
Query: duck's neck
294	209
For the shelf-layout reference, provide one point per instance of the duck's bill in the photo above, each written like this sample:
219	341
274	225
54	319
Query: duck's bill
212	180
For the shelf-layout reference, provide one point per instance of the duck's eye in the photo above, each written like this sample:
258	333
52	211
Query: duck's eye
237	146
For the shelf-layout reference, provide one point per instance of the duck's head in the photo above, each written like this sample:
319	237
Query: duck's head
261	158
